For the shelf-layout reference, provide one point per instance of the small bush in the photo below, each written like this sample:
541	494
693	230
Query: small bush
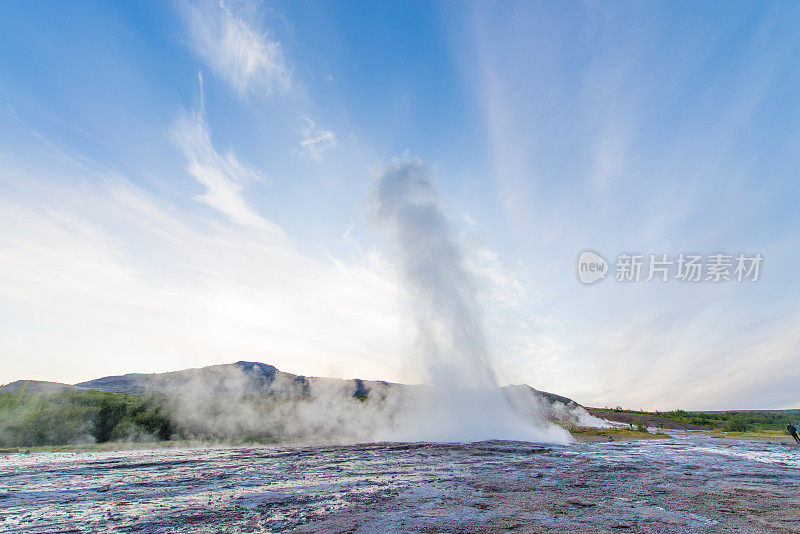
736	425
107	418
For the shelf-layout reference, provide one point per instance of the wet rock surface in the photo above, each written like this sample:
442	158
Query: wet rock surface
690	483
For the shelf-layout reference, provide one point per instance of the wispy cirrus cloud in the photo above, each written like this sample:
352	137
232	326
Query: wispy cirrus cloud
223	176
315	141
236	49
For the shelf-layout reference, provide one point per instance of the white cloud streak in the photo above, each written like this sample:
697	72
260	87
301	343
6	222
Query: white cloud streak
315	141
223	176
236	49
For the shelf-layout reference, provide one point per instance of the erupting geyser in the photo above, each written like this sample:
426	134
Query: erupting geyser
465	403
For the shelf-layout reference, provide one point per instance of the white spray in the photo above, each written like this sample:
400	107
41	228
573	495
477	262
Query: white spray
465	403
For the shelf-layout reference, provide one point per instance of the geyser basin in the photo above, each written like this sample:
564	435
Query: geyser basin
689	484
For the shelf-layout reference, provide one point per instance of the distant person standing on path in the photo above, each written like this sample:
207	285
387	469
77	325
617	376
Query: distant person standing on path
793	431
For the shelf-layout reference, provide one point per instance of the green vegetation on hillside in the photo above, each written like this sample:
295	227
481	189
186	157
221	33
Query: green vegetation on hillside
730	421
74	417
97	417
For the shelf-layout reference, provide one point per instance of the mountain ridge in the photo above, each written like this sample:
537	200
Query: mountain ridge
242	376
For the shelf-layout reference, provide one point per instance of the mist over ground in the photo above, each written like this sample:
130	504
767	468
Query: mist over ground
244	402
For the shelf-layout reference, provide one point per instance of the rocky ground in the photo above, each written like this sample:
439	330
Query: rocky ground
689	483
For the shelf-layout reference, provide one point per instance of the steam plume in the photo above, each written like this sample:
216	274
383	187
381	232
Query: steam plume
467	403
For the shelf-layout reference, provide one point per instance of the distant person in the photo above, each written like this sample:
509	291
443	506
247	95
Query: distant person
793	431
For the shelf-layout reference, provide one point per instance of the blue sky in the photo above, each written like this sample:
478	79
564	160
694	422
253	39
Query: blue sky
183	184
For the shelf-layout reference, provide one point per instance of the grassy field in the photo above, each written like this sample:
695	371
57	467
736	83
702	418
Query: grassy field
616	433
759	435
728	421
584	433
